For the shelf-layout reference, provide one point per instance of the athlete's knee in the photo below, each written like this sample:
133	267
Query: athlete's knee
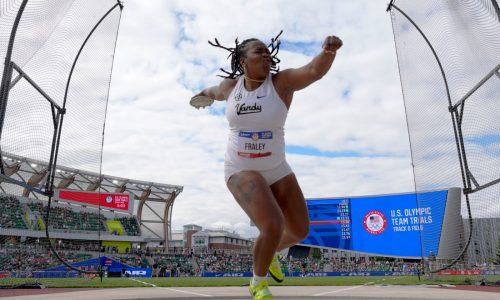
299	233
302	232
274	227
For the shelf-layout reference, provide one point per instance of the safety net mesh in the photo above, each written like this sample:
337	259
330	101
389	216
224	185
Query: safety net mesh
449	57
54	107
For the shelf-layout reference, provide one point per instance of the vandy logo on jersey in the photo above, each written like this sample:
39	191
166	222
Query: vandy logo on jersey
375	222
242	109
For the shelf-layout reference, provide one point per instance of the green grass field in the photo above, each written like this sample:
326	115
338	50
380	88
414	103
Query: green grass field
198	281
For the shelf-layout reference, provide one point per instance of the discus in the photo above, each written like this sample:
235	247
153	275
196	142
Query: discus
201	101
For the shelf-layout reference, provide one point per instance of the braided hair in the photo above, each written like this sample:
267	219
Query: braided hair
239	50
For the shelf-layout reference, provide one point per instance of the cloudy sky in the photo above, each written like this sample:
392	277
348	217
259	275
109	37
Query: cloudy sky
346	134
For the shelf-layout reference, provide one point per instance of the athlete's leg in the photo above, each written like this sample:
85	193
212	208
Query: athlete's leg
293	206
254	195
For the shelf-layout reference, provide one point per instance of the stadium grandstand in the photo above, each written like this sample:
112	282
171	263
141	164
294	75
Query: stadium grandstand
79	229
131	221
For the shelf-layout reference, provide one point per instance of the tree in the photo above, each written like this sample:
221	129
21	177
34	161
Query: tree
316	253
498	252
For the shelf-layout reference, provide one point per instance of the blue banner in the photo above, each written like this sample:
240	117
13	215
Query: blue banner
359	273
135	272
392	225
314	274
55	274
93	264
227	274
108	264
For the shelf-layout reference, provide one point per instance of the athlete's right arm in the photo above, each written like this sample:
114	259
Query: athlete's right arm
221	91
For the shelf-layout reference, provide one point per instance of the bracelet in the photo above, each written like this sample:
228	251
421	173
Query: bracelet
329	51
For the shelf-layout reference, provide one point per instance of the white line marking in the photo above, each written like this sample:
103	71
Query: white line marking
143	282
170	289
341	290
187	292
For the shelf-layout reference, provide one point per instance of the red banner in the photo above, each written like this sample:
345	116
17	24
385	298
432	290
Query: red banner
112	201
459	272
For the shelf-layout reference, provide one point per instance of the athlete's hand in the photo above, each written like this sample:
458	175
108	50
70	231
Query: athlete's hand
332	43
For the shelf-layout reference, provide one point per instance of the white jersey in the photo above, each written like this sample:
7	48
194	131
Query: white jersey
256	127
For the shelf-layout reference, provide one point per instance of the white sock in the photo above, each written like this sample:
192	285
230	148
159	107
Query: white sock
284	252
257	279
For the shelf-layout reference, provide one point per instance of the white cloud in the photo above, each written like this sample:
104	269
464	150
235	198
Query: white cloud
163	58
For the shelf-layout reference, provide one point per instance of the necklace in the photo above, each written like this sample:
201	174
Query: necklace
254	80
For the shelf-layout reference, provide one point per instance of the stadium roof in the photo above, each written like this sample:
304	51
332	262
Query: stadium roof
22	174
34	173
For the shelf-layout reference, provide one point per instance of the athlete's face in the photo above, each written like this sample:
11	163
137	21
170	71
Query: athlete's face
257	59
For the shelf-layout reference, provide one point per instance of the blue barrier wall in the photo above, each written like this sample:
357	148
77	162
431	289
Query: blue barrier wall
313	274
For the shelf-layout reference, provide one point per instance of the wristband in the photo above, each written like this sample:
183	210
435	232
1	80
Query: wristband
329	51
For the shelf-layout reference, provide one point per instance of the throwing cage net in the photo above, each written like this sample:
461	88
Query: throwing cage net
449	61
58	59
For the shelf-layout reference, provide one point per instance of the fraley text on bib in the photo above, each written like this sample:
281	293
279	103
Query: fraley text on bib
254	144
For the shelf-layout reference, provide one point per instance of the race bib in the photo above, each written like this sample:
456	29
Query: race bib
255	144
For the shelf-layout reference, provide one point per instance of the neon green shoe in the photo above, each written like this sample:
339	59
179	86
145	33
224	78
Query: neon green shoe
261	291
275	270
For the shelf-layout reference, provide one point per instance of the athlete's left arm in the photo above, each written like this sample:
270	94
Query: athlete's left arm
291	80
